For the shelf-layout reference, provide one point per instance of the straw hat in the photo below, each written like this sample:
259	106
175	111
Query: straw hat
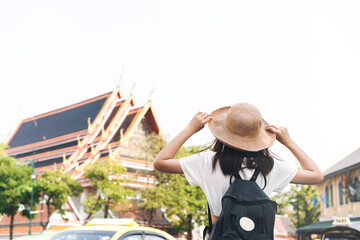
241	127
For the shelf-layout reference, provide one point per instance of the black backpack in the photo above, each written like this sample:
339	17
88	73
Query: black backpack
247	212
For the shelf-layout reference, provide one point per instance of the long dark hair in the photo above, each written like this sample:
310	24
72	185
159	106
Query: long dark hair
231	159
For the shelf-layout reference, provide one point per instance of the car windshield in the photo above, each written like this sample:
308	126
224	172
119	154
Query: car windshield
341	236
83	235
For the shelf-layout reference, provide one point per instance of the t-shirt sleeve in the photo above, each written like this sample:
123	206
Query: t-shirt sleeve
284	173
193	168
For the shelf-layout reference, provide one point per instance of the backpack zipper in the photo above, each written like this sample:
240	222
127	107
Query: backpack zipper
247	203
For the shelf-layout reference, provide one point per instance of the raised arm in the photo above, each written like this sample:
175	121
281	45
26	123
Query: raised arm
310	172
165	161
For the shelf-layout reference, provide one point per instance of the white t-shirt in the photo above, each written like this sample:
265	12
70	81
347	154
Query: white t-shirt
198	171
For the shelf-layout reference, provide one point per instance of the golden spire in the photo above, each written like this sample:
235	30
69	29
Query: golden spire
79	143
111	154
92	148
121	133
65	161
89	125
133	87
152	91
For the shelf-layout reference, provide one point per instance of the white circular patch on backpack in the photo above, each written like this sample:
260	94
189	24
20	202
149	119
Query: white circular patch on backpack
247	224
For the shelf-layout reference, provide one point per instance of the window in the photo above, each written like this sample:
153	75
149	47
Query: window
341	193
357	188
83	235
354	190
153	237
329	196
133	237
346	193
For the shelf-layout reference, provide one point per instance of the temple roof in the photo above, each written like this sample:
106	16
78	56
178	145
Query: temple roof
57	123
80	134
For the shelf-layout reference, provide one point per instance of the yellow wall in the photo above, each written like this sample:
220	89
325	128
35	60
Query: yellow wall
351	209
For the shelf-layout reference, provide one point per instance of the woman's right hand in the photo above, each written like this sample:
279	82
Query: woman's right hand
198	122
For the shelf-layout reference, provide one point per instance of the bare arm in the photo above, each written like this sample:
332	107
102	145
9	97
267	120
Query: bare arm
165	161
310	172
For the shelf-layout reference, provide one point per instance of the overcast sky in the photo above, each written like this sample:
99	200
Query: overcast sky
297	61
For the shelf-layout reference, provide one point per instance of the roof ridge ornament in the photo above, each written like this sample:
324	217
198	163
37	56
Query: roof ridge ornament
118	89
92	149
111	154
133	87
150	95
90	127
79	142
103	133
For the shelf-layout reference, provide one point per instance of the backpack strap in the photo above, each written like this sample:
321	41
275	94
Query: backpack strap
209	228
236	174
253	177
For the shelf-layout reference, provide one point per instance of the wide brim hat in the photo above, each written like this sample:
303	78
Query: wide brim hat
242	127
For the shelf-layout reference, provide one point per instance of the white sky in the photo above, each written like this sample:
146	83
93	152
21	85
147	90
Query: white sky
297	61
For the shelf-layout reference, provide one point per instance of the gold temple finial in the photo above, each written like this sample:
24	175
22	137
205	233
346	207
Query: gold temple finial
92	148
65	162
111	154
89	125
150	95
123	139
78	141
121	76
133	87
121	133
152	91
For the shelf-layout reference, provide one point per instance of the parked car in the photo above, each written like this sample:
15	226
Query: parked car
111	233
342	230
31	237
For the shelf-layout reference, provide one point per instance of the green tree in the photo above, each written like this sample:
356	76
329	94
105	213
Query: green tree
55	187
185	204
15	186
152	197
301	204
109	186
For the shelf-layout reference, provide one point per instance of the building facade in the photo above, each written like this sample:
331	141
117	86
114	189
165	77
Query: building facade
339	195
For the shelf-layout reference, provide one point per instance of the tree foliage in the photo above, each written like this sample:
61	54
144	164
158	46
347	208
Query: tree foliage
15	186
301	204
152	198
183	204
109	186
186	205
55	187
